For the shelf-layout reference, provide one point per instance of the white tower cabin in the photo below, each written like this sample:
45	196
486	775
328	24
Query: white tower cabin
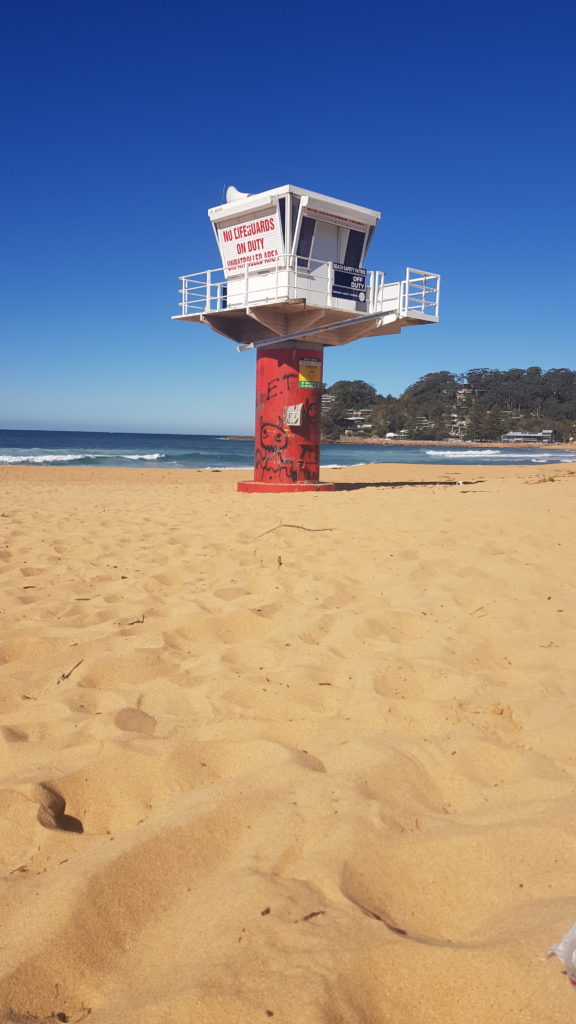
292	283
293	261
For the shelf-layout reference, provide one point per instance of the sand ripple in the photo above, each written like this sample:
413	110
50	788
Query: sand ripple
251	772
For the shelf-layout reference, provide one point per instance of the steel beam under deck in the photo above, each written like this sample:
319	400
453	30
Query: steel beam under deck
364	318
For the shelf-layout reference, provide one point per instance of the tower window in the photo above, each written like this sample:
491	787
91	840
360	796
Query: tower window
305	241
354	248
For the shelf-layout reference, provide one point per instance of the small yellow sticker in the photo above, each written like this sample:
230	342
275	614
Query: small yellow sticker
310	373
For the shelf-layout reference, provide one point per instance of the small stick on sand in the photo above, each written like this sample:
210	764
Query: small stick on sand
315	913
66	675
294	526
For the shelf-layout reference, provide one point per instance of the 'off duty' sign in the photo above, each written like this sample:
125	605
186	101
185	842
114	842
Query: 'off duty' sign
253	243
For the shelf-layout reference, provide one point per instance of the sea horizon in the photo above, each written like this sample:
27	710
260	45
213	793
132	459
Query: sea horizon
226	451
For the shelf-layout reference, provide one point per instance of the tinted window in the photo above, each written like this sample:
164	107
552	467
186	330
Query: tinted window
305	240
354	249
282	208
295	209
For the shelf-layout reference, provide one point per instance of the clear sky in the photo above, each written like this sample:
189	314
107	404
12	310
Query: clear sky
123	122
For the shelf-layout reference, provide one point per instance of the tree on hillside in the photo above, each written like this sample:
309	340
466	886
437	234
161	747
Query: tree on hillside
353	394
491	401
476	426
331	424
387	416
348	394
427	405
440	383
494	424
477	380
528	393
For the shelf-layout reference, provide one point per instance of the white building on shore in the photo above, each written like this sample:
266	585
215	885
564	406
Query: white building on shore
528	437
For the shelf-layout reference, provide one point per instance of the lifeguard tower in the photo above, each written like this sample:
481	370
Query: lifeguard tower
292	283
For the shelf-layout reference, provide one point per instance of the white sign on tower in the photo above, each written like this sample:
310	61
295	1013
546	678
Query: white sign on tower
254	243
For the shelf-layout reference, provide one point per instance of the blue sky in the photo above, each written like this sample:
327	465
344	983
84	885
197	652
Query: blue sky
124	122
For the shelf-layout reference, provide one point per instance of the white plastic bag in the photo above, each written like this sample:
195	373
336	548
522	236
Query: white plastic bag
566	952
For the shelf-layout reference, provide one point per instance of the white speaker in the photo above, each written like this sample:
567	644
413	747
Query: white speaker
232	194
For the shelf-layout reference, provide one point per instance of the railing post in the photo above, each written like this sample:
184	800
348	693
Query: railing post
208	291
330	279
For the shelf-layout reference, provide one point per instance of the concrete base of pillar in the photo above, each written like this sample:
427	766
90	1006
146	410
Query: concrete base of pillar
264	487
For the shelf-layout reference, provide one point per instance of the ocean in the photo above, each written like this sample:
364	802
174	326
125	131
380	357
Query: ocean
205	451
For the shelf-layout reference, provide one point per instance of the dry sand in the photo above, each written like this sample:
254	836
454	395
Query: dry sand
321	747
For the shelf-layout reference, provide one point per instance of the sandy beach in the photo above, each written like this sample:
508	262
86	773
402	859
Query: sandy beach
301	758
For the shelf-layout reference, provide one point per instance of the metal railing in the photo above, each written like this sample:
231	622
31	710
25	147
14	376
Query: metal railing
291	276
419	293
206	292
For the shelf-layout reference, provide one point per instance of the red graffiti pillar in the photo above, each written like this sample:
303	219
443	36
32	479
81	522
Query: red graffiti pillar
288	407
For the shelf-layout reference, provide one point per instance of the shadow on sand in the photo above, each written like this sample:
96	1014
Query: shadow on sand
408	483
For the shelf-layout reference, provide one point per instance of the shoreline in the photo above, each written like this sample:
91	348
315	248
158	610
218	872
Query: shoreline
324	467
560	446
353	476
451	443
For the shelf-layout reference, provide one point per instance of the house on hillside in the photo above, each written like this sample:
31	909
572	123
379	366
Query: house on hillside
462	395
458	427
358	422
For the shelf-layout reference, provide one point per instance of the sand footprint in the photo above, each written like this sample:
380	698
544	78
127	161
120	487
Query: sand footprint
51	811
134	720
230	593
306	760
14	735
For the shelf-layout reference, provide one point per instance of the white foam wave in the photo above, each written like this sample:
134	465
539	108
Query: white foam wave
466	453
556	457
37	458
71	457
136	458
498	453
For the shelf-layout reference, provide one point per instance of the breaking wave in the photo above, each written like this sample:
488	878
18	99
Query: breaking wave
39	460
542	456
